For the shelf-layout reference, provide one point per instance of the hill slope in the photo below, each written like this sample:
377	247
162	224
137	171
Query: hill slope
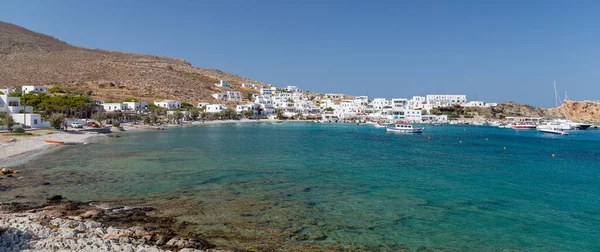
27	57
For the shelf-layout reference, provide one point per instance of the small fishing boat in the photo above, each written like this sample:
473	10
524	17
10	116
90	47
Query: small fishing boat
54	141
404	128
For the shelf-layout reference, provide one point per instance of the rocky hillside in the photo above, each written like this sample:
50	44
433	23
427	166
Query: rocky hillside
580	110
505	109
27	57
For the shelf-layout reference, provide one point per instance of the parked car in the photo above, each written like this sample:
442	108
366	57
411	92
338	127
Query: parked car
93	125
77	125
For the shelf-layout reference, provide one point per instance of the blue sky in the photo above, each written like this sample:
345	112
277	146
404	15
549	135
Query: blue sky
490	50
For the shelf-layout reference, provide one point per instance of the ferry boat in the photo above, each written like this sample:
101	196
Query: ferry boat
404	128
552	129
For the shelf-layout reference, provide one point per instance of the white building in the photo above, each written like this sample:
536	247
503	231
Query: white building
111	107
135	106
223	84
12	105
6	91
169	104
215	108
446	100
266	92
21	114
37	89
202	105
481	104
292	89
233	96
252	86
32	120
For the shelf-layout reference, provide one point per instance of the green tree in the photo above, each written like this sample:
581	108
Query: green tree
55	89
99	116
227	113
249	96
1	93
194	114
15	94
7	120
177	116
187	106
279	113
247	113
153	118
56	121
131	99
329	109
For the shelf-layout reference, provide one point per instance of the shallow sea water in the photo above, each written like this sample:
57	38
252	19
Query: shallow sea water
284	186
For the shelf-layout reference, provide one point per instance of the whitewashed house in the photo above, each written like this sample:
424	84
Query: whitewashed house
223	84
169	104
215	108
266	92
446	100
21	114
135	106
233	96
112	107
7	91
37	89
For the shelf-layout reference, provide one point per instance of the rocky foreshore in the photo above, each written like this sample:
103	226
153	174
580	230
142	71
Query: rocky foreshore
68	226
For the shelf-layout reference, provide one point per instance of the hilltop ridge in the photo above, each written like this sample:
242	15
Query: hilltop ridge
28	58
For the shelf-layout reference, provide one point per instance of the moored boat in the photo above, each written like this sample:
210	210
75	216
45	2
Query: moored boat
524	125
404	128
552	129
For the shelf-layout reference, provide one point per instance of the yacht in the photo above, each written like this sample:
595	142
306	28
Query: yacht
404	128
552	129
524	125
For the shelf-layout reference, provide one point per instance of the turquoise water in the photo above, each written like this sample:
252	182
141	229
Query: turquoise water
453	188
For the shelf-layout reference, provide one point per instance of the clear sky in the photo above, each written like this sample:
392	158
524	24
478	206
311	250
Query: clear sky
496	50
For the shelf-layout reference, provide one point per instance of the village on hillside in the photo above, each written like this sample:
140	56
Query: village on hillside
32	106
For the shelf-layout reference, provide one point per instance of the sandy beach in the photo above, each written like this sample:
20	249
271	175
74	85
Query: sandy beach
15	150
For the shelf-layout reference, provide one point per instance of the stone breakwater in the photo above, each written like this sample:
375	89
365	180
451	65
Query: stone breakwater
39	229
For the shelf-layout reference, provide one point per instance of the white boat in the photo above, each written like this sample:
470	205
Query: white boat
552	129
404	128
382	125
493	124
370	123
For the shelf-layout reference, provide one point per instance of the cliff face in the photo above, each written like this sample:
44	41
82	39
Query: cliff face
580	110
29	58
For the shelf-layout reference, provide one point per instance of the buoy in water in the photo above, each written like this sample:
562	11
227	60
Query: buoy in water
460	141
552	154
505	148
486	139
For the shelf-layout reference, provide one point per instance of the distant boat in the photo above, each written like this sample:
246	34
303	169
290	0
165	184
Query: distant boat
382	125
404	128
552	129
54	141
493	124
524	125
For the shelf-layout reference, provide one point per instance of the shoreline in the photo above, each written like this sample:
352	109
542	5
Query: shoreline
24	148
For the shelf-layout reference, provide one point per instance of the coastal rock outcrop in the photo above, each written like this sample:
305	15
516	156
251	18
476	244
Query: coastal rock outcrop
70	226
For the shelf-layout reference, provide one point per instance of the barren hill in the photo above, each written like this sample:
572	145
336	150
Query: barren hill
580	110
27	57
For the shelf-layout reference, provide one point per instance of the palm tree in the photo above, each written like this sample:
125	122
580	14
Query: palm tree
279	113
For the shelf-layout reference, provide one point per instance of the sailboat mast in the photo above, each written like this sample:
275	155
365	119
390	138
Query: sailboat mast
556	98
566	106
